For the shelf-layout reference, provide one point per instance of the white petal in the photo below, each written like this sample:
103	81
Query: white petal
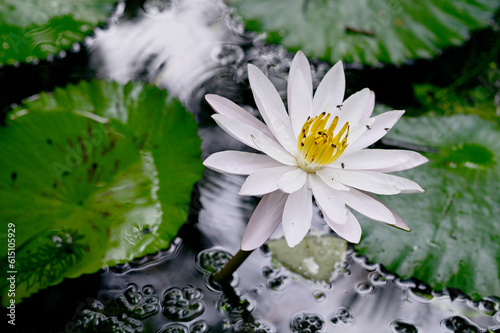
415	159
402	184
299	92
369	107
330	92
368	206
292	181
328	200
326	175
350	231
273	149
239	130
372	159
352	108
380	126
265	218
364	181
358	130
297	216
229	109
264	181
272	109
399	221
239	163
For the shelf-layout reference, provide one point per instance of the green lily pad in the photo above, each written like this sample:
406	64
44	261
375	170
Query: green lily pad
31	29
455	241
367	32
94	174
315	258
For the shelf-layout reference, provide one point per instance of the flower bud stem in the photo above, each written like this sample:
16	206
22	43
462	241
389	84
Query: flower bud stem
226	273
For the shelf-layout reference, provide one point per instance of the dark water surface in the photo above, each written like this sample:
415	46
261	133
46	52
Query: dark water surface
191	48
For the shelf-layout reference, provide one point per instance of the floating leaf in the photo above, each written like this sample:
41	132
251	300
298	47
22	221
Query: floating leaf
316	258
93	174
366	31
455	241
31	29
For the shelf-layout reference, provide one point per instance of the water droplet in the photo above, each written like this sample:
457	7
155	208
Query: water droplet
402	327
342	317
319	296
365	288
212	260
308	323
183	304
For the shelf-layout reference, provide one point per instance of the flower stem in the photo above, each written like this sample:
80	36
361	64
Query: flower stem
226	273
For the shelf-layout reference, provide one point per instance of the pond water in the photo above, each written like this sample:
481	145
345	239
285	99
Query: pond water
191	48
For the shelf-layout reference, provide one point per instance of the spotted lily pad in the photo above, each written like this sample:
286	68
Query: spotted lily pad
366	31
31	29
455	241
94	174
315	258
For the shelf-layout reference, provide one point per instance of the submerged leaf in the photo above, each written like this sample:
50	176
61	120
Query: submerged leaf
316	258
94	174
455	241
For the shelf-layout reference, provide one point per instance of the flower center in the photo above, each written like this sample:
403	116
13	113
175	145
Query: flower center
317	144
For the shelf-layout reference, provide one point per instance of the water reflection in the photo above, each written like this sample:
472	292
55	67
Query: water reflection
193	47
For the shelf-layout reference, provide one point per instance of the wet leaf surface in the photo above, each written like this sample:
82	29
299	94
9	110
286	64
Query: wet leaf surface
95	174
366	32
455	241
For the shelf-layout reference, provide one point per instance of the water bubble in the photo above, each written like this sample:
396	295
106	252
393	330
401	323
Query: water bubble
254	327
402	327
174	328
268	271
139	304
459	325
278	283
212	260
199	326
365	288
376	278
245	304
342	317
98	322
421	292
183	304
308	323
319	296
487	306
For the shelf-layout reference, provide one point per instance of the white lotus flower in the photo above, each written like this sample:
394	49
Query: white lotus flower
316	149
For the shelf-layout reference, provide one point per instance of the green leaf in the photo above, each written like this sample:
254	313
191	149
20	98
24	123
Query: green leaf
455	241
316	258
482	99
31	29
94	174
367	32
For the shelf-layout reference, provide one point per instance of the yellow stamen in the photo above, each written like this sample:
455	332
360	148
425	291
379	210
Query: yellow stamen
317	144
